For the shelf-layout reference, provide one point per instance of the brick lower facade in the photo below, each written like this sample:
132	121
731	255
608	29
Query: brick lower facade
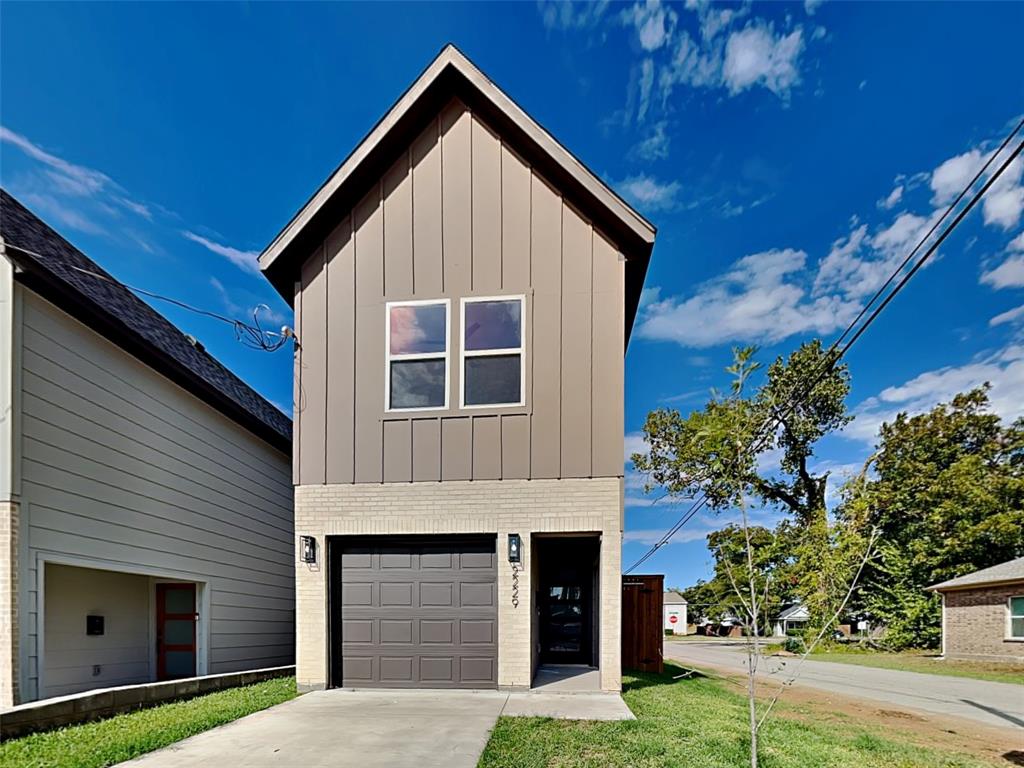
9	628
975	624
482	506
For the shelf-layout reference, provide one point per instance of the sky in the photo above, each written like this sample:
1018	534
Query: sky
789	154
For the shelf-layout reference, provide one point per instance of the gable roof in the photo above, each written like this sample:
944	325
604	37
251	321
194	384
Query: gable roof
673	598
1003	573
795	612
51	266
450	75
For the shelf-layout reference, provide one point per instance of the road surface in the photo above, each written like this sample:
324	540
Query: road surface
994	704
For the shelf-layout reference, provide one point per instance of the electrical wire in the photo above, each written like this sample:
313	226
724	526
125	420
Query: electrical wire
253	336
832	356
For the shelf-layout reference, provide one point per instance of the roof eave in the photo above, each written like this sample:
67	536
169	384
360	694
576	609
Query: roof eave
452	74
953	587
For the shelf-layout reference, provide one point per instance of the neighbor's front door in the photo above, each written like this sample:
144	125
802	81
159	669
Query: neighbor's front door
175	631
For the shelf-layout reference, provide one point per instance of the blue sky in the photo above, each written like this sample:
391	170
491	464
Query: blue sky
787	152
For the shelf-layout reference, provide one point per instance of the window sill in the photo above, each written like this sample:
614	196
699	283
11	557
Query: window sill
450	413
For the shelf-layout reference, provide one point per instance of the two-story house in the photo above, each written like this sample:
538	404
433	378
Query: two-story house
145	499
464	289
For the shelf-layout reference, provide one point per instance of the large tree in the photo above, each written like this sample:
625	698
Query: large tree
719	451
946	495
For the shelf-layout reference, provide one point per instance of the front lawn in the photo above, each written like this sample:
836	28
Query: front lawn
911	661
701	723
119	738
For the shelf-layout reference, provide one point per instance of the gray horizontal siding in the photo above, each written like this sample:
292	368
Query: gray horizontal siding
122	466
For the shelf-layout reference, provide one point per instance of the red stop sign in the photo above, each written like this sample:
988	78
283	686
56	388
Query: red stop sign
673	619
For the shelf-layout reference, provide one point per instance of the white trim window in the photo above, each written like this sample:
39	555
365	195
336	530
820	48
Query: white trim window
1016	617
416	350
492	360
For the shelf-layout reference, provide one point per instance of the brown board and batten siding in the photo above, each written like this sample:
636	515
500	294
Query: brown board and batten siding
460	214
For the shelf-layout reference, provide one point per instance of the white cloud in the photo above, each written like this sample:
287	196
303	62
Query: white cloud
765	297
949	179
893	199
755	56
634	443
652	21
1009	274
646	84
565	14
649	295
1004	202
244	260
648	193
655	145
1010	316
1004	370
1002	205
68	179
66	215
811	6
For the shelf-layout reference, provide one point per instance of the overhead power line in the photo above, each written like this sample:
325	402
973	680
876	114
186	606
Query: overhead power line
835	353
253	335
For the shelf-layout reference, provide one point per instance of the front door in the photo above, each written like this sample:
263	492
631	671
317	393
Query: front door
565	622
175	631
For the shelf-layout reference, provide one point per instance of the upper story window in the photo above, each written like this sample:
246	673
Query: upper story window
1017	618
417	355
493	372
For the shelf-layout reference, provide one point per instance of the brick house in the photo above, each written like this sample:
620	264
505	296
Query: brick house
983	614
464	289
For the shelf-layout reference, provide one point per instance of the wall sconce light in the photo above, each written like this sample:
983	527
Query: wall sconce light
515	548
308	547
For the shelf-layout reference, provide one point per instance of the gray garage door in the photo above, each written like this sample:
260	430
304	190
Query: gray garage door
419	612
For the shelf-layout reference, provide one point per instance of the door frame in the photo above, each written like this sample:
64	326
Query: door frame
590	582
42	557
162	615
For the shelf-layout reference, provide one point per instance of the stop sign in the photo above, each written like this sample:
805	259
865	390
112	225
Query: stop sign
673	619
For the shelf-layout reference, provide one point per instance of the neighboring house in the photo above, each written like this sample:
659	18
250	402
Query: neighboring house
983	614
675	613
795	616
464	289
145	502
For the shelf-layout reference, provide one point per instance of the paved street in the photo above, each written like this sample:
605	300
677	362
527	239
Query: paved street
994	704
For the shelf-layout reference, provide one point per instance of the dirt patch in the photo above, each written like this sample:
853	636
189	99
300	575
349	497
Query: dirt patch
997	745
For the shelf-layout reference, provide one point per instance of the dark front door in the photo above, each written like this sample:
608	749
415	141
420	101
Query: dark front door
565	623
565	598
175	631
414	612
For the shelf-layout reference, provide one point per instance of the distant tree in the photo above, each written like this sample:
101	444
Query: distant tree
947	497
708	451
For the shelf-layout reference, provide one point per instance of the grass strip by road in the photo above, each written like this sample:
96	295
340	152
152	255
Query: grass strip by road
701	723
119	738
927	663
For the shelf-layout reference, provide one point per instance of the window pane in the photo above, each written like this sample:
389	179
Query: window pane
179	601
1017	606
417	384
180	664
178	632
493	324
418	329
492	380
1017	628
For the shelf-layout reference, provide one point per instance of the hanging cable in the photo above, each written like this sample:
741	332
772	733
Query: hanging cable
834	353
254	335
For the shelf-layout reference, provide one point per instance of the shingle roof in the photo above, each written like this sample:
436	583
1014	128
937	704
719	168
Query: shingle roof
49	265
1012	570
674	598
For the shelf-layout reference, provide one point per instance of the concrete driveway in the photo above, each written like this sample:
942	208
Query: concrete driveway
995	704
373	729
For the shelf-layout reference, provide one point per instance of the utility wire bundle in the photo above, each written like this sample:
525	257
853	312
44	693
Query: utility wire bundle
838	349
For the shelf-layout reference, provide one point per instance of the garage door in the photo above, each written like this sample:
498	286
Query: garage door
418	612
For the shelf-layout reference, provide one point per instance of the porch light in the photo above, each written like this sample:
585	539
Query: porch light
308	548
515	548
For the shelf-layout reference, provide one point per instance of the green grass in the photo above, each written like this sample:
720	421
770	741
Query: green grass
925	662
700	723
119	738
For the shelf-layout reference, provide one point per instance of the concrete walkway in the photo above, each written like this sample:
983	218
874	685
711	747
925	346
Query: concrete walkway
374	729
995	704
